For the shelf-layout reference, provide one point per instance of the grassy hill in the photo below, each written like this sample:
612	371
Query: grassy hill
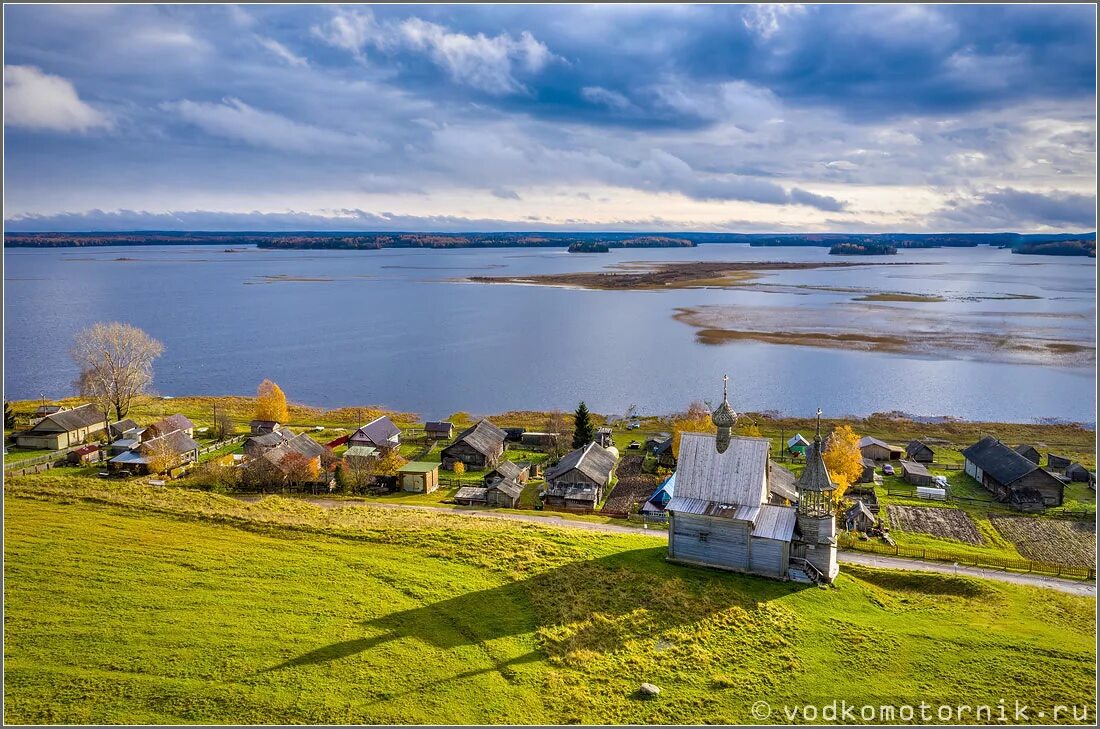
131	604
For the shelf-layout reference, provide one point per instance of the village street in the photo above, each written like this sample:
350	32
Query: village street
1073	587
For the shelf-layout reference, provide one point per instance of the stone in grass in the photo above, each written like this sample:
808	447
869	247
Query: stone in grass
649	691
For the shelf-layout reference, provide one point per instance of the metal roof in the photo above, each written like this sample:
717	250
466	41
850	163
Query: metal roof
380	431
177	442
775	522
869	440
999	461
682	504
361	451
179	421
418	467
797	440
736	476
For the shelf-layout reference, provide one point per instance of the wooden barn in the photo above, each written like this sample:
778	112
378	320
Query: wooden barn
603	437
63	429
868	475
919	452
858	518
915	473
421	477
1029	452
379	433
1011	477
1058	463
503	492
439	429
471	496
507	470
665	457
536	439
479	446
878	450
1077	472
579	480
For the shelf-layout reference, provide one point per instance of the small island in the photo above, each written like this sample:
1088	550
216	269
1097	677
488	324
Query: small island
1059	248
863	249
589	247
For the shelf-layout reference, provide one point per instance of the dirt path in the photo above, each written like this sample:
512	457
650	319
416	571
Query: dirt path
1073	587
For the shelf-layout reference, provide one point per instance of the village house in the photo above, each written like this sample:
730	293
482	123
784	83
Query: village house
797	445
507	470
719	515
164	426
304	446
878	450
919	452
257	445
63	429
579	479
915	473
663	452
379	433
124	429
1058	463
1011	477
439	430
262	427
421	477
162	454
503	492
479	446
1029	452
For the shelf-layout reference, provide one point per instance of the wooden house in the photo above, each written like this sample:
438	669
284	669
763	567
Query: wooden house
304	446
164	453
919	452
507	470
164	426
379	433
1029	452
439	430
858	518
1058	463
1077	472
503	492
420	477
868	475
479	446
471	496
665	456
262	427
537	439
878	450
256	445
533	470
83	455
652	442
63	429
580	479
1011	477
603	437
915	473
797	445
125	429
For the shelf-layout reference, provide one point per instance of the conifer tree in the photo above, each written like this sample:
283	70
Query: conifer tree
583	433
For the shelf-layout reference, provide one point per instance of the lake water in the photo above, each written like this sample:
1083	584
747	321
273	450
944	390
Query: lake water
392	327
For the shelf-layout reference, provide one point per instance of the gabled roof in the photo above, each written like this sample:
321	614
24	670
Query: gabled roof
593	460
735	476
856	509
79	417
263	423
507	486
85	450
439	426
782	482
484	437
1029	452
270	440
1076	468
998	460
816	476
302	444
914	468
178	421
797	439
418	467
664	492
915	446
869	440
380	431
123	426
176	441
507	469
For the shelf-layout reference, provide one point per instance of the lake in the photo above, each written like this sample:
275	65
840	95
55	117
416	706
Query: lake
396	327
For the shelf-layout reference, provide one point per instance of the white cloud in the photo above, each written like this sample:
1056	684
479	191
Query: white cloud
34	99
606	97
282	52
488	63
842	164
234	119
764	19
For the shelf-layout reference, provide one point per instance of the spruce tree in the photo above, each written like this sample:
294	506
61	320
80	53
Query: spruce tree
9	416
582	427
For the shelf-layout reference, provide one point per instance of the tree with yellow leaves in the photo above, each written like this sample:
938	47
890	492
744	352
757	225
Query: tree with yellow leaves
459	468
271	403
843	459
388	463
695	420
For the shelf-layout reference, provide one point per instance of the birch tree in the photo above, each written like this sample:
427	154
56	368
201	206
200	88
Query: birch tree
116	365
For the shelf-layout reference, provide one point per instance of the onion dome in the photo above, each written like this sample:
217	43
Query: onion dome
724	416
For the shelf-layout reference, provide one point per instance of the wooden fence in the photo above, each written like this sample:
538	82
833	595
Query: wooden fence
912	494
1009	565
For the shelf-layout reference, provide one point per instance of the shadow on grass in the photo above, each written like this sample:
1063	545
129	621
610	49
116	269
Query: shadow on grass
635	594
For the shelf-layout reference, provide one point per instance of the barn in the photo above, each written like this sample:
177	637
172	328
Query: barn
1058	463
878	450
919	452
504	492
915	473
578	480
63	429
1029	452
507	470
858	518
470	496
1011	477
868	475
1077	472
479	446
439	429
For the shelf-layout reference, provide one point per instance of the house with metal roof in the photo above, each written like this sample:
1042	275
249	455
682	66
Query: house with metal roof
720	515
878	450
63	429
162	454
479	446
1011	477
379	433
439	430
797	445
579	480
658	500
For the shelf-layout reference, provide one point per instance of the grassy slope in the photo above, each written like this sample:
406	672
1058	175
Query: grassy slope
131	604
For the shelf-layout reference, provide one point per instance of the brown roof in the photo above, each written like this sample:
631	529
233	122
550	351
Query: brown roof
484	437
178	421
75	419
177	442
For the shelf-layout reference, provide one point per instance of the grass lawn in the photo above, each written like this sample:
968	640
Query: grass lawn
129	604
20	454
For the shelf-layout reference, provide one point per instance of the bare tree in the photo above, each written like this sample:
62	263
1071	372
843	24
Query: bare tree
561	437
116	364
223	426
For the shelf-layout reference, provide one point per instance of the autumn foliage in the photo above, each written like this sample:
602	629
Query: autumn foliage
843	459
271	403
695	420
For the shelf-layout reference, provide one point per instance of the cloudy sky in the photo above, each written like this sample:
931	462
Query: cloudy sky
725	118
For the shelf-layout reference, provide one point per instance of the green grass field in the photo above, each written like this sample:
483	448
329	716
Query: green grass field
131	604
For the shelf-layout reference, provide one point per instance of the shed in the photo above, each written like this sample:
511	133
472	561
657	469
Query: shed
919	452
84	454
665	456
260	427
1058	463
858	518
420	477
536	439
603	437
878	450
868	475
1011	477
1077	472
256	445
797	445
479	446
915	473
506	470
439	429
504	492
1029	452
471	496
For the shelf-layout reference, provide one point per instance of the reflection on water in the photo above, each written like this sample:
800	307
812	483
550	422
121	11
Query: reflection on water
389	327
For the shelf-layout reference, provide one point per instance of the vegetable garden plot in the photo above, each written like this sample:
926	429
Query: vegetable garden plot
937	522
1058	541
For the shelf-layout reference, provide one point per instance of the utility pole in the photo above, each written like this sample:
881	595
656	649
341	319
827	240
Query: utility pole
215	428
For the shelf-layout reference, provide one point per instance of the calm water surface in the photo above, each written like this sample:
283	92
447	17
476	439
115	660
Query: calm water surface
391	327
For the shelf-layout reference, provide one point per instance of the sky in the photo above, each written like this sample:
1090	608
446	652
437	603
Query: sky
739	118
